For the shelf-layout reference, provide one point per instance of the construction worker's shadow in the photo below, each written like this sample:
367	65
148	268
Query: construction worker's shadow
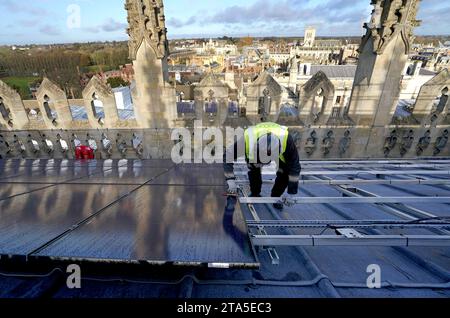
240	237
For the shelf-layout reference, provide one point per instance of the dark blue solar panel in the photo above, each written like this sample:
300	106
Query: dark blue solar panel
211	107
288	111
186	107
233	107
78	112
126	114
161	214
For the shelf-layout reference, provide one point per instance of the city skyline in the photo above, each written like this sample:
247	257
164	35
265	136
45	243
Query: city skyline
46	21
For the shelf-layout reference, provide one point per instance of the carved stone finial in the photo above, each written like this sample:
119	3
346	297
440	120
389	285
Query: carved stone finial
147	22
389	18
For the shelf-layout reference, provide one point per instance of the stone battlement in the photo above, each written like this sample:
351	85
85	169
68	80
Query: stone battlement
372	125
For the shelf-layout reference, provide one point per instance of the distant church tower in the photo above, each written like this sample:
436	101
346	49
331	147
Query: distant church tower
154	97
383	56
310	37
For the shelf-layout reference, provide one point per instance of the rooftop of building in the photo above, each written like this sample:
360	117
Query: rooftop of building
425	72
335	71
153	229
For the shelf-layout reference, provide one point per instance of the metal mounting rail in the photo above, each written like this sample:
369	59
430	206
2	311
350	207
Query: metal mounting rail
405	212
394	161
273	254
350	200
429	181
376	166
333	224
342	240
416	181
346	231
361	172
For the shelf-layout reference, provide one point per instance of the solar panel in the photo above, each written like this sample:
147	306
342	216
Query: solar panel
52	175
186	107
233	107
30	221
162	224
10	190
78	113
160	214
136	175
193	174
211	107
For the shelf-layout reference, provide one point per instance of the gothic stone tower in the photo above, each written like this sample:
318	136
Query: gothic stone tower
384	51
154	97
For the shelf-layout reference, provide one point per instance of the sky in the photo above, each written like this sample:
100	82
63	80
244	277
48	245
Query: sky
66	21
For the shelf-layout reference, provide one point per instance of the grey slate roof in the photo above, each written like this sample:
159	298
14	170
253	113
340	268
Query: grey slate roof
265	79
335	71
426	72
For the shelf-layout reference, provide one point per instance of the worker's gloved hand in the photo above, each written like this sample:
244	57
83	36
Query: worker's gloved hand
229	175
232	187
289	201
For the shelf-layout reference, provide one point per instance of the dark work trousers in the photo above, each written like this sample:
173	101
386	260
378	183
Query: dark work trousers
281	182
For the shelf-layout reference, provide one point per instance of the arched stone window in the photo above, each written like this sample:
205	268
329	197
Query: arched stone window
211	105
97	107
51	114
443	100
319	103
410	70
4	111
265	104
336	112
233	108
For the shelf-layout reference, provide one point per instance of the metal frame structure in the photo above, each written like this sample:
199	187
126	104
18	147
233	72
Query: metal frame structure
339	224
367	172
352	200
343	240
260	229
347	232
417	180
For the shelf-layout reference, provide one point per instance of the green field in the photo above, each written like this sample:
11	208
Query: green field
21	84
97	68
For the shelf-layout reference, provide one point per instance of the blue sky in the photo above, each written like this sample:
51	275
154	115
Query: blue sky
45	21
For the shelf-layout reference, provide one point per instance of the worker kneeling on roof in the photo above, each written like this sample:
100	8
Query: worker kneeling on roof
265	143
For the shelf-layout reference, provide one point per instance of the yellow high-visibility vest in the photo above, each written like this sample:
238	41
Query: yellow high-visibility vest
252	135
